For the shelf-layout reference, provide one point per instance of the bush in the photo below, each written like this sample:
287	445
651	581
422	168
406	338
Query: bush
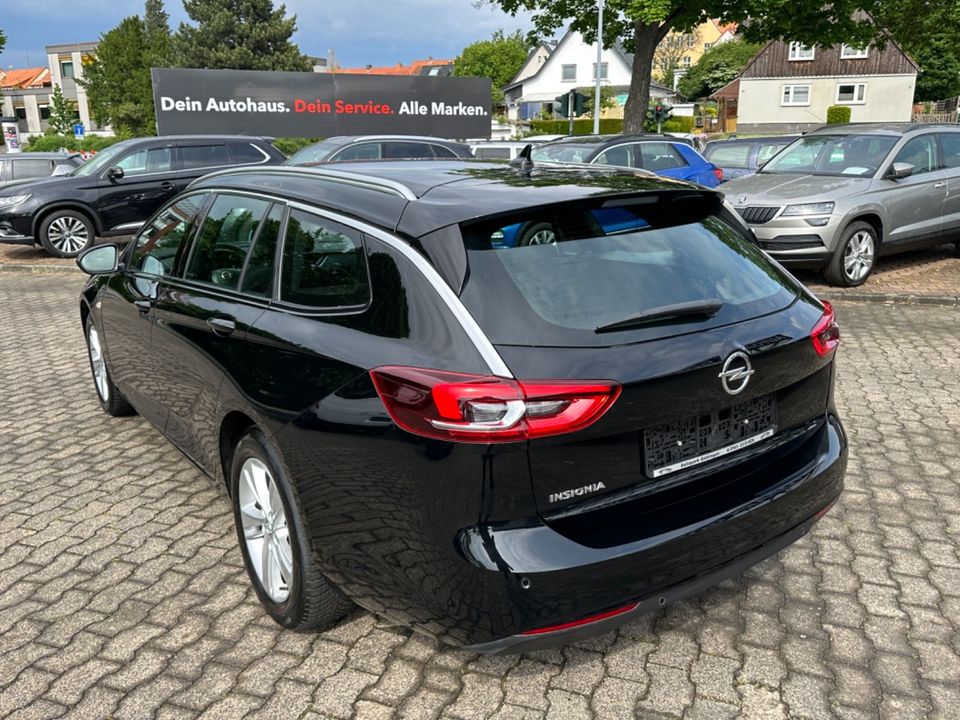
608	126
52	143
289	145
838	114
681	124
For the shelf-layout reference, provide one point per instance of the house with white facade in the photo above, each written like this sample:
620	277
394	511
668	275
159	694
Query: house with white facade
787	87
552	70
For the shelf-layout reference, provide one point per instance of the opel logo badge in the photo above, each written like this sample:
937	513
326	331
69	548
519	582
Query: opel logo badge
736	373
741	199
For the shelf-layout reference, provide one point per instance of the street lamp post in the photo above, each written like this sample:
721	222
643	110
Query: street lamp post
596	89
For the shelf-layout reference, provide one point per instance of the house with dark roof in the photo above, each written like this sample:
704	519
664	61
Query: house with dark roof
788	86
554	69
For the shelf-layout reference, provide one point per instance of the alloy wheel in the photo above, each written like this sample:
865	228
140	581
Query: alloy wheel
68	234
543	237
859	256
265	529
98	363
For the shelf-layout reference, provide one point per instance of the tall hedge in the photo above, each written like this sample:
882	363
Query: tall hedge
52	143
608	126
838	114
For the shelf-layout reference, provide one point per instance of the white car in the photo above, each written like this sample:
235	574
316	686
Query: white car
498	149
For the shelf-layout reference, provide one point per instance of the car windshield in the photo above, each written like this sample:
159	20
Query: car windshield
563	152
856	155
318	152
101	160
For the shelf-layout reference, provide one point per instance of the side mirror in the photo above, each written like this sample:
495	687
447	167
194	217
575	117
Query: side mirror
900	170
115	173
99	260
62	170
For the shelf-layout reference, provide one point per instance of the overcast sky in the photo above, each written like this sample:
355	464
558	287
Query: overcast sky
362	32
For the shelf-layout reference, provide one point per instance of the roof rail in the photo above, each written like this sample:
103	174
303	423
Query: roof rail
369	182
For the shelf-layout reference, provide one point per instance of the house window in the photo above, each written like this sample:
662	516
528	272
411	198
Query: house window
66	69
796	95
849	52
568	73
707	46
851	93
603	71
686	61
799	51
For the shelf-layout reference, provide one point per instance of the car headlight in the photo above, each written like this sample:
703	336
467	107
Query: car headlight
12	200
824	208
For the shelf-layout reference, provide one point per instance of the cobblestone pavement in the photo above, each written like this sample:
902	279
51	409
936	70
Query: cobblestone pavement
122	592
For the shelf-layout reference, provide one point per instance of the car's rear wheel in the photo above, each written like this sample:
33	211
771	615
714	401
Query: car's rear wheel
538	234
855	256
111	400
66	233
275	541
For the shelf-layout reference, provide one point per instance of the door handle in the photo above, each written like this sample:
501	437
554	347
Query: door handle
222	326
939	185
143	306
166	186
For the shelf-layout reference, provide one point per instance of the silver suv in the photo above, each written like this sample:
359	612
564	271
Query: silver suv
839	196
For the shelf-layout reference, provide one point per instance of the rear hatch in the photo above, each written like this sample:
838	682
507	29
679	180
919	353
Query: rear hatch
665	294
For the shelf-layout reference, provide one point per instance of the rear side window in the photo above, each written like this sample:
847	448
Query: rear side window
258	274
656	156
950	145
619	155
24	169
443	152
244	152
198	156
407	150
362	151
555	276
729	155
224	239
157	244
323	264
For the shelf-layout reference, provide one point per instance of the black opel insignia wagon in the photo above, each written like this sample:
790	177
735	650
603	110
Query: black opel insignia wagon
510	408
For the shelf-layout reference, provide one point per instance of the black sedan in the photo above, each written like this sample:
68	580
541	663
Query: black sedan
119	188
507	446
358	148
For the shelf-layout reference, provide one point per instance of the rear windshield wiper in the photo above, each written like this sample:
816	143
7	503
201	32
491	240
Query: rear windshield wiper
696	308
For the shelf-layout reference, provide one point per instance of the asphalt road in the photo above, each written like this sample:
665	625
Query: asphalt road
122	592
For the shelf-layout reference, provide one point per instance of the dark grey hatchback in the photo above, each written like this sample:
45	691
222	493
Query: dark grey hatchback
505	438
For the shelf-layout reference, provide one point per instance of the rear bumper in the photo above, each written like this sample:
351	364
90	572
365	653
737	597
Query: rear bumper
547	579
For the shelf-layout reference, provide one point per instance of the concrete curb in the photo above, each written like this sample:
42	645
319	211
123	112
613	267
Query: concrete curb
41	269
899	298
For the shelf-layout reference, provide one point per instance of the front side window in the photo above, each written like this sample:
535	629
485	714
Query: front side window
921	152
657	156
25	169
157	244
851	93
323	264
492	153
141	162
199	156
361	151
224	240
768	151
796	95
799	51
568	73
562	152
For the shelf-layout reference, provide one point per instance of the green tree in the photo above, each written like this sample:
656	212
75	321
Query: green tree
62	116
716	67
642	24
499	58
118	81
238	35
926	29
156	32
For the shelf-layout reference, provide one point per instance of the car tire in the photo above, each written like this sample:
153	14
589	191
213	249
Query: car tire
111	399
537	233
66	233
275	541
855	256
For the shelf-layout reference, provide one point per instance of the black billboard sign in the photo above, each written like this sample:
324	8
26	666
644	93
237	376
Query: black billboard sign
305	104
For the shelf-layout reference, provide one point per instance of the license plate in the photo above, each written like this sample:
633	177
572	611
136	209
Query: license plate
682	444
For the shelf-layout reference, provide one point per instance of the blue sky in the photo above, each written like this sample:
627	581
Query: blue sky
362	32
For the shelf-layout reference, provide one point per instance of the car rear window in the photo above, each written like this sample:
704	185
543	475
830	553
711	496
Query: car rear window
553	276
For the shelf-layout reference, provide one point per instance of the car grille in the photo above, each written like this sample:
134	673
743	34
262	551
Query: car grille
757	215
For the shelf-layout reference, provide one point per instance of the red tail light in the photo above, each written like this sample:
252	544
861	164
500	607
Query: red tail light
487	409
826	333
719	173
585	621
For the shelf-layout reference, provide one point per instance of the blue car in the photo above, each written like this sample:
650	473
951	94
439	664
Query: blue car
611	220
662	154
